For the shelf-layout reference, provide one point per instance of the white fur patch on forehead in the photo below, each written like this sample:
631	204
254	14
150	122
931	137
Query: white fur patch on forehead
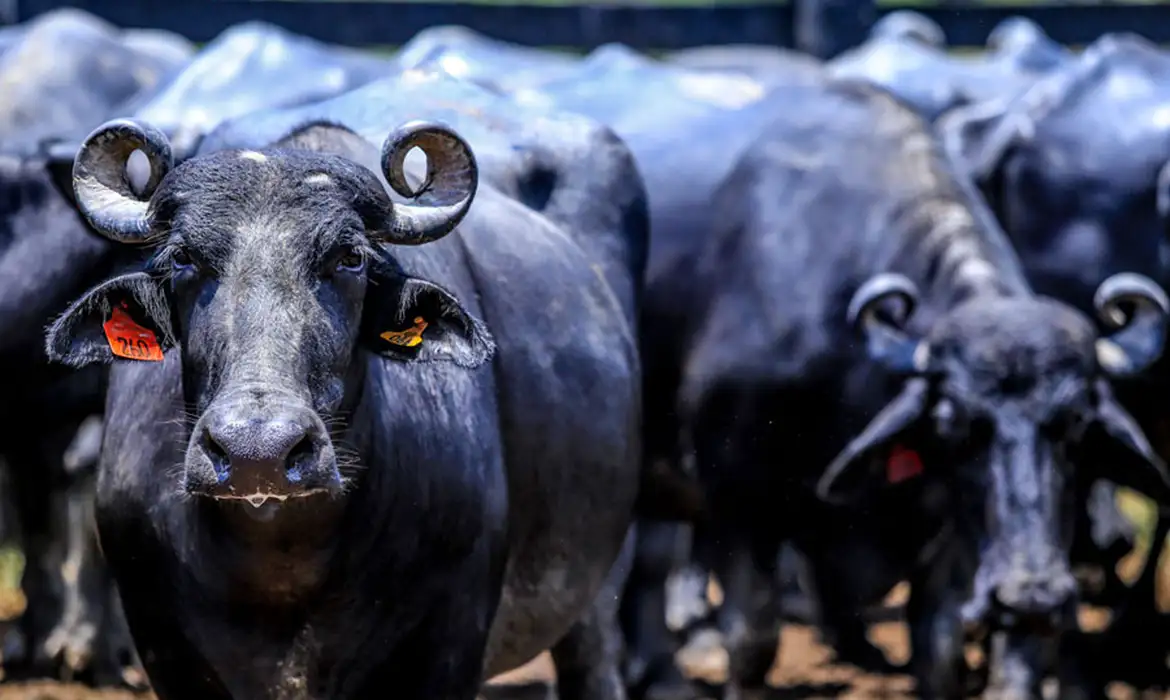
254	156
319	179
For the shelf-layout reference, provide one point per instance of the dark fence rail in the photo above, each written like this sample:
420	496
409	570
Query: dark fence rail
822	27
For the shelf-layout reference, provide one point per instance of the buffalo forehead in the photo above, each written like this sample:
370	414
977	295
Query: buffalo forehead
275	198
1016	334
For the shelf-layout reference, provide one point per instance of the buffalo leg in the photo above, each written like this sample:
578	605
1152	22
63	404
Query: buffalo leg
747	618
936	636
588	658
1019	663
650	669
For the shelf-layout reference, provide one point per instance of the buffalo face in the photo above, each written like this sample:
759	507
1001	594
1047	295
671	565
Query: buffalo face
268	274
1006	398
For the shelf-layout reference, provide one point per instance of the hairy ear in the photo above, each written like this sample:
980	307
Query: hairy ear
411	320
852	466
1120	452
127	316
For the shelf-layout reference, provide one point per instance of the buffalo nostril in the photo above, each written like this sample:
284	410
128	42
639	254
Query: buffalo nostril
299	459
218	457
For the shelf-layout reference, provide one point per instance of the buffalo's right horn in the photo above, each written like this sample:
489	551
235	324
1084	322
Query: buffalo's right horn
1141	334
104	194
888	343
444	197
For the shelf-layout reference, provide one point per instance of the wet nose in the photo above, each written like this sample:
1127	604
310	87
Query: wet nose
1035	594
251	454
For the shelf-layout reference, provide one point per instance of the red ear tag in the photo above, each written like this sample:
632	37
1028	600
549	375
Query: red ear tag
902	464
130	340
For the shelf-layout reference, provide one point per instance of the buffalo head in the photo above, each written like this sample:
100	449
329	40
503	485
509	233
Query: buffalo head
270	276
1004	397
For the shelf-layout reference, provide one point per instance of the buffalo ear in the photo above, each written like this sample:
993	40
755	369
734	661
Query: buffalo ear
411	320
78	337
1120	451
892	422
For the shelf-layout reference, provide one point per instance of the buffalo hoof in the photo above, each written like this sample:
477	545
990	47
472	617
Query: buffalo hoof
663	681
69	648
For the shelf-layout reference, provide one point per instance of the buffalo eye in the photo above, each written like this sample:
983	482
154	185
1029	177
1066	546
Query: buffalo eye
349	259
181	260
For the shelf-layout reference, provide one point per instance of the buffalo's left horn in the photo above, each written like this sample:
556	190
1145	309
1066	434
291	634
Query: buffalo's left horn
104	194
444	197
888	343
1141	333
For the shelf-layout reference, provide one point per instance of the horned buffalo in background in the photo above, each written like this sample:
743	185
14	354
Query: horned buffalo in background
64	70
954	428
1085	193
490	63
906	54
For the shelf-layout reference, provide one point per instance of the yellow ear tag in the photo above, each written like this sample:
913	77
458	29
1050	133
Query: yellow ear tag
408	338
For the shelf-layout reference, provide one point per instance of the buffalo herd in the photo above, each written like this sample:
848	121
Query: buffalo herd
332	372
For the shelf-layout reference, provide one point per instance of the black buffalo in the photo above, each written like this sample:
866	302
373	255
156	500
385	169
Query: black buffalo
686	127
64	70
1077	170
369	460
955	425
906	54
49	258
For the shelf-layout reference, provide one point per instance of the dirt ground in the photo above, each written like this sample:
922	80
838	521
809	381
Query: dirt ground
802	672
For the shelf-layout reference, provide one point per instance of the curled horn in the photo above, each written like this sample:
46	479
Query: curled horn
444	197
888	343
1141	334
103	191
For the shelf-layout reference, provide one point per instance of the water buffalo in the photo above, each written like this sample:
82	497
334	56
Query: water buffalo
423	414
65	67
49	258
250	66
906	54
487	62
685	126
1084	194
954	428
761	62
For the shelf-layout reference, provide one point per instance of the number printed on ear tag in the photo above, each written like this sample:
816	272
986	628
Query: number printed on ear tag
130	340
408	338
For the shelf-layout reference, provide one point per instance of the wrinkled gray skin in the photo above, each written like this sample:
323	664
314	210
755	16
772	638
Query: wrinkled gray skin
463	569
68	67
490	63
1004	394
1076	171
250	66
66	70
906	54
